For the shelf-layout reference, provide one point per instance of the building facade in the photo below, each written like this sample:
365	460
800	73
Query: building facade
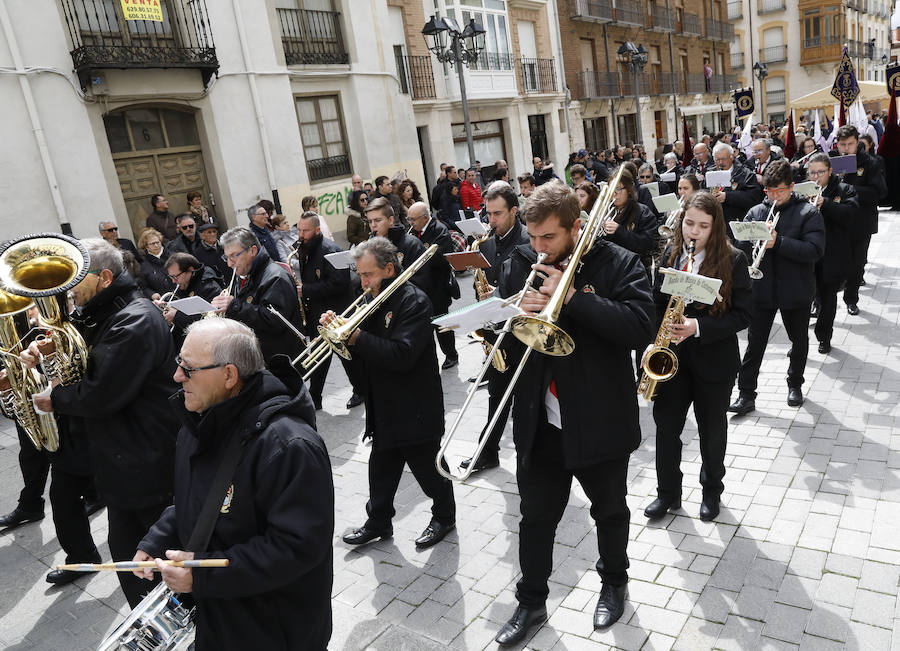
801	42
688	69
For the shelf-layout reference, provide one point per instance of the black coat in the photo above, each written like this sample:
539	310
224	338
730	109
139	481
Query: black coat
268	284
744	193
645	198
695	168
154	277
641	235
268	242
205	283
211	256
840	210
164	222
127	245
497	250
409	248
788	268
443	281
394	368
324	287
610	315
276	531
714	354
181	244
123	397
870	186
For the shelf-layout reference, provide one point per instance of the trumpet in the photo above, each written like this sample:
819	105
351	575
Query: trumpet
224	292
759	248
163	304
667	230
813	200
537	332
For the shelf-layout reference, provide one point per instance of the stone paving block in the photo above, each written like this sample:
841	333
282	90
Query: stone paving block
873	608
797	591
807	562
863	637
829	621
697	634
658	619
880	577
739	634
843	564
786	623
754	602
622	636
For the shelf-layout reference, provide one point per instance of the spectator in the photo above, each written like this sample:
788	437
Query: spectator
185	242
543	172
109	231
155	280
470	192
357	226
197	209
587	194
408	193
385	190
259	221
579	174
285	237
369	189
526	187
161	219
356	183
210	252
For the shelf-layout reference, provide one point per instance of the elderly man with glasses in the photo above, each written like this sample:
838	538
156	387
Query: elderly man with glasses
742	193
109	231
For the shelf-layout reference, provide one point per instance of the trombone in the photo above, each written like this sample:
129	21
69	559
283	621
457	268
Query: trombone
537	331
759	247
296	252
313	355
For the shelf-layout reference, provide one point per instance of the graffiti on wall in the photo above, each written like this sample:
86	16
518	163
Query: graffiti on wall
333	203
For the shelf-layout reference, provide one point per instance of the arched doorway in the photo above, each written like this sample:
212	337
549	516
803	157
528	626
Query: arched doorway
156	150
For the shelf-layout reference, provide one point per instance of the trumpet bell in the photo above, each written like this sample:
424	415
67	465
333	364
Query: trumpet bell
665	231
541	335
42	265
755	274
659	363
334	338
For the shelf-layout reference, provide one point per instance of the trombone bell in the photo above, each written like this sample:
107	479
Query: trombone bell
543	336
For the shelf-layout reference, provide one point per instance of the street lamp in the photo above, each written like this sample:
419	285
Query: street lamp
761	71
636	58
463	49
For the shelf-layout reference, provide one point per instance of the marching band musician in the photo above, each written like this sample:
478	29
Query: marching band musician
634	226
122	401
708	355
576	415
259	282
393	366
321	287
787	286
502	208
274	517
191	278
382	223
839	205
688	184
744	191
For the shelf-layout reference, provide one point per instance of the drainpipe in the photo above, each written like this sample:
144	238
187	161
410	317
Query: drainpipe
672	68
257	106
612	105
562	74
35	120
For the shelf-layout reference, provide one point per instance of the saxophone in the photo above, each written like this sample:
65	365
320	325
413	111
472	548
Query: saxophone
659	363
482	286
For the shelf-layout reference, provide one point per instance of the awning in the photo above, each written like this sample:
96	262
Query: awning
869	91
706	108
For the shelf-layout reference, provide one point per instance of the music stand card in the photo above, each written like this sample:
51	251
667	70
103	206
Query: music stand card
666	202
192	305
474	227
718	179
477	315
844	164
467	260
668	177
750	231
653	188
340	259
691	287
806	189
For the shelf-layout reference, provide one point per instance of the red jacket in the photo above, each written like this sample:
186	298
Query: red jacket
470	195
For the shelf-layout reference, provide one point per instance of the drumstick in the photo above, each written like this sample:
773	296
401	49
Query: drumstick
130	566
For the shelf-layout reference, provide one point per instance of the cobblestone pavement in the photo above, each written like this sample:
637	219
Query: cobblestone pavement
805	554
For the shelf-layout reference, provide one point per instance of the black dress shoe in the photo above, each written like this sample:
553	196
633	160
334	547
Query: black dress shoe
450	362
824	347
852	308
20	516
709	508
62	577
91	507
610	605
660	506
515	630
433	534
795	397
742	405
365	535
481	464
355	401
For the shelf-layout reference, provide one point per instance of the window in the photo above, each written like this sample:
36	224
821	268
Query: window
143	129
323	138
812	28
538	132
627	128
490	14
595	130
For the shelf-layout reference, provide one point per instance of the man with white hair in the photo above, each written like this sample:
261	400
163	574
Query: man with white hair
702	162
742	193
273	504
109	231
762	156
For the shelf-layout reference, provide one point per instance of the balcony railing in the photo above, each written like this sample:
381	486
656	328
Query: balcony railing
737	60
773	54
774	98
690	24
600	11
722	83
494	61
596	84
629	15
326	168
719	31
101	38
538	75
819	54
855	4
735	10
416	76
662	19
766	6
312	37
591	84
694	83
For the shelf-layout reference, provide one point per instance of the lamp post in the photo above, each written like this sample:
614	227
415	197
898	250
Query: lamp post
636	58
761	71
463	49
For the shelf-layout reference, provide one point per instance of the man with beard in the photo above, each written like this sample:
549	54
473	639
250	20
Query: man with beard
320	287
191	278
744	191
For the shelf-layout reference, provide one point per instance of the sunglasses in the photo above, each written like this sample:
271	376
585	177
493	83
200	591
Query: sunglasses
110	230
189	228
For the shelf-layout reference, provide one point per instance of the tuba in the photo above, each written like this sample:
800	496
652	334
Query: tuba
18	383
44	267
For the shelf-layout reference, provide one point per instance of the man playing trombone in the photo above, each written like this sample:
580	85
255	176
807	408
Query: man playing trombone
787	284
575	415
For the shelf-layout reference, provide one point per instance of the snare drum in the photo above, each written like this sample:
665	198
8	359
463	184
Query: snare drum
161	622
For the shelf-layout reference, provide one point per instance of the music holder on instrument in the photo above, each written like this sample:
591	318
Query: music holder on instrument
843	164
466	260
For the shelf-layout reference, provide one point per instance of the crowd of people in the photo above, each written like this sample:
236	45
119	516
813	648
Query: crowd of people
197	431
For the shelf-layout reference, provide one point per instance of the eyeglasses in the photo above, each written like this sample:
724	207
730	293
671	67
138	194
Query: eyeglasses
110	230
176	276
187	370
154	243
817	172
234	256
620	189
777	192
189	227
363	200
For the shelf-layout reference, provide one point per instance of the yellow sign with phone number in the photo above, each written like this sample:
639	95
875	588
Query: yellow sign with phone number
142	10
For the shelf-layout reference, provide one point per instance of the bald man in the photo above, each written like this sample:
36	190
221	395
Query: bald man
702	162
444	287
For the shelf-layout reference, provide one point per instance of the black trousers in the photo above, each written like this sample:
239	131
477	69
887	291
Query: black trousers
544	487
670	408
317	380
859	251
73	529
385	471
447	343
497	383
127	527
827	295
35	466
796	323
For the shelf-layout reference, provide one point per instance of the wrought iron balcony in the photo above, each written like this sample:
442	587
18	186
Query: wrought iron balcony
538	75
690	24
719	31
767	6
773	54
312	37
722	83
629	15
774	98
416	76
694	82
735	10
102	38
737	60
598	11
326	168
662	19
498	61
594	84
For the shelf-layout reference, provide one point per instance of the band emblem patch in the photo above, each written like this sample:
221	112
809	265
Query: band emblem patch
387	319
229	495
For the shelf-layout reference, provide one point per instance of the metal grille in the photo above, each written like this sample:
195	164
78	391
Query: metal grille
326	168
690	24
538	75
773	54
735	10
771	5
774	97
594	83
595	10
312	37
416	76
494	61
737	60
